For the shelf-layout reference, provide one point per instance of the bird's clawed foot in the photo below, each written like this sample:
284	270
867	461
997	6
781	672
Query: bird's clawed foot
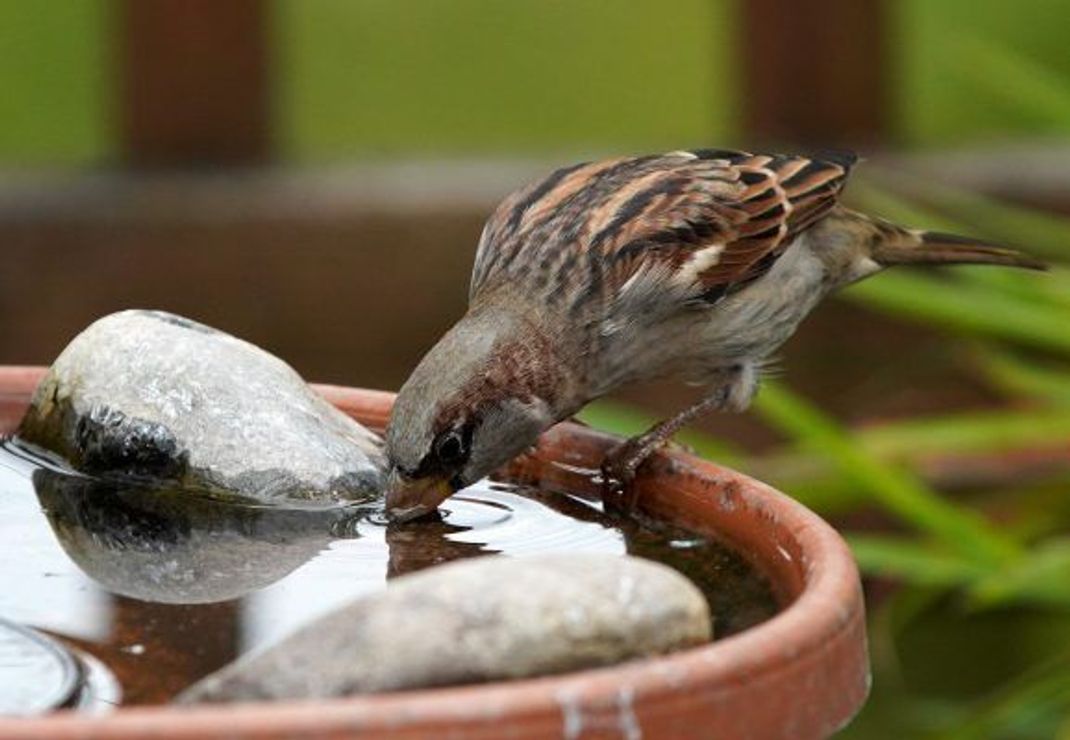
622	462
618	472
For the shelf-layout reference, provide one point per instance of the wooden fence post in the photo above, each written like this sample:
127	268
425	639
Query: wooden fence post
194	82
815	72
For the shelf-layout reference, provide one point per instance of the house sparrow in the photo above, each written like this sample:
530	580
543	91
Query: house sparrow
693	264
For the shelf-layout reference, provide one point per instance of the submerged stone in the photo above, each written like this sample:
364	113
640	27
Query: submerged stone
489	618
153	395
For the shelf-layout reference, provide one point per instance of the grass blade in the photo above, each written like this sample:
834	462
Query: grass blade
1041	577
913	562
967	308
957	529
1019	377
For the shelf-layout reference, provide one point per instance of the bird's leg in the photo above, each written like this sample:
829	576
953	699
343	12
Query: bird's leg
621	462
619	466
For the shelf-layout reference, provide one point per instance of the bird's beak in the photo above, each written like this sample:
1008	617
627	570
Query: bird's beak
408	498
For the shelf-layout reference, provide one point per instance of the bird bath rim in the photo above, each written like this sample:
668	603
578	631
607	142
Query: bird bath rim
802	673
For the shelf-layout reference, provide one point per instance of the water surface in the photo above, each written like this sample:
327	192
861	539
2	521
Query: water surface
165	586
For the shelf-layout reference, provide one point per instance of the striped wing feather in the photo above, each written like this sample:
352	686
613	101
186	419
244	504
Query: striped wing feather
719	218
781	196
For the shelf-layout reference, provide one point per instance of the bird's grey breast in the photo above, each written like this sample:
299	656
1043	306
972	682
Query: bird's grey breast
753	323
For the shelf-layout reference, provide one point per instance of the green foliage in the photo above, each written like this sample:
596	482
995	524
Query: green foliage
979	69
409	77
1040	381
54	82
1029	707
901	493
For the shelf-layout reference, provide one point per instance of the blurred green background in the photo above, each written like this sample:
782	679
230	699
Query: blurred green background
927	413
373	78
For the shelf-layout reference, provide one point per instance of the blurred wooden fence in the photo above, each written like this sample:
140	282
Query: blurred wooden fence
196	83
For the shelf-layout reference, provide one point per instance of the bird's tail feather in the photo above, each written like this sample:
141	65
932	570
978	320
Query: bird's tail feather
932	247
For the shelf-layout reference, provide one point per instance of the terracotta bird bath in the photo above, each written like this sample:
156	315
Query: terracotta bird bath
802	674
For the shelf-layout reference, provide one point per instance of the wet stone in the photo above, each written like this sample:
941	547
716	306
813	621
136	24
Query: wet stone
484	619
152	395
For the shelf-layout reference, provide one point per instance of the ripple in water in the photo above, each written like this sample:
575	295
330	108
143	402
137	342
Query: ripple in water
165	586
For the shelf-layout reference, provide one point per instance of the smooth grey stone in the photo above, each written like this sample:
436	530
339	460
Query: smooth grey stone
484	619
154	395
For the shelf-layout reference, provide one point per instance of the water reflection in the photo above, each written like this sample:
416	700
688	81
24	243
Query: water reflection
417	545
168	546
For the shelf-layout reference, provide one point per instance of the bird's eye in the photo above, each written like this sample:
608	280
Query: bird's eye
451	448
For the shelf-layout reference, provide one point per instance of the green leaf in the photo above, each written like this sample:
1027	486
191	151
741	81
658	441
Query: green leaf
1038	699
1043	576
964	307
957	529
974	431
914	562
1014	374
1003	72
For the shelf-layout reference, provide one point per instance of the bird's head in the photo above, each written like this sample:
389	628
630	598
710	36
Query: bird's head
481	396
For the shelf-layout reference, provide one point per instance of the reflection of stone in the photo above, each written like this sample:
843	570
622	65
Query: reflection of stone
165	545
151	394
476	620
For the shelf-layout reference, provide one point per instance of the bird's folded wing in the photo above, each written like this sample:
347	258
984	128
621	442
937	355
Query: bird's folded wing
705	221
